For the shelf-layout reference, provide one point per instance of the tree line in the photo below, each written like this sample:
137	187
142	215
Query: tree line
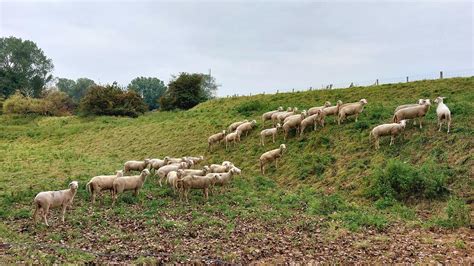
27	86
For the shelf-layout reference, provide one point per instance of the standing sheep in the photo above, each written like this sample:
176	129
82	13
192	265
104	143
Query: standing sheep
155	164
420	101
126	183
412	113
351	109
164	170
102	182
333	110
246	127
224	178
281	117
232	137
197	182
269	132
268	115
172	178
216	138
195	160
53	199
235	125
312	120
172	160
313	110
217	168
443	113
135	165
271	156
393	130
294	122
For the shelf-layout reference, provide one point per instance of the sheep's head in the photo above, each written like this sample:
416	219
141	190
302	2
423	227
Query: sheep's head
421	101
166	159
146	172
278	126
184	165
327	104
224	163
304	113
363	101
236	170
289	109
439	100
253	123
427	102
282	148
339	102
280	108
223	132
206	169
74	185
119	173
295	109
146	161
180	173
403	123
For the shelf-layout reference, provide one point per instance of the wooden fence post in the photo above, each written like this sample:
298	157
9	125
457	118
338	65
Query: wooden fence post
377	82
441	75
407	78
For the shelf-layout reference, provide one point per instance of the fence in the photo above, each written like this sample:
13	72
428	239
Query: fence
376	81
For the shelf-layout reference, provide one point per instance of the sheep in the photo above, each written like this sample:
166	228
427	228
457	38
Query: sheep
125	183
313	110
235	125
246	127
171	160
224	178
195	160
351	109
164	170
155	164
232	137
135	165
172	178
281	117
294	116
197	182
269	132
295	122
216	138
227	163
393	129
412	112
53	199
314	120
101	182
443	113
202	171
333	110
268	115
271	156
420	101
216	168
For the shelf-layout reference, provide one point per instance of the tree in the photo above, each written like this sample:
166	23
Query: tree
23	67
151	89
75	89
188	90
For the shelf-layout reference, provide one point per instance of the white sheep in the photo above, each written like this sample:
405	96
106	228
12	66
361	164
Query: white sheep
172	178
349	109
269	132
135	165
195	160
443	113
172	160
413	112
202	171
246	127
235	125
271	156
313	110
295	116
100	183
126	183
216	138
281	117
268	115
294	122
155	164
217	168
227	163
333	110
53	199
420	101
164	170
312	120
232	138
392	129
224	178
196	182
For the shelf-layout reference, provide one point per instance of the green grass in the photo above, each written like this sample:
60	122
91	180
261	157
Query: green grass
324	174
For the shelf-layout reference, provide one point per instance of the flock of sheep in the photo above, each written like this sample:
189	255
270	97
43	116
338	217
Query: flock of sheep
178	174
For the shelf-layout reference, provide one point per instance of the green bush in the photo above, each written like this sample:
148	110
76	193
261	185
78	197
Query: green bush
403	181
249	108
458	212
111	100
53	103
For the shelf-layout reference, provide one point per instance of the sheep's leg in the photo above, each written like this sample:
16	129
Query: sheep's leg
273	137
35	214
45	214
420	119
449	124
262	168
206	193
135	192
377	144
391	140
276	164
357	115
63	212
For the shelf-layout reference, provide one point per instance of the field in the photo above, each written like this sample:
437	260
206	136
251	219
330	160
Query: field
321	205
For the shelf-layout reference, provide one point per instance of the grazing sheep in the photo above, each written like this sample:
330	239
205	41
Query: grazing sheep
126	183
314	120
413	112
171	160
393	130
246	127
101	182
216	138
295	122
269	132
271	156
235	125
349	109
268	115
227	163
333	110
155	164
164	170
443	113
172	178
420	101
313	110
197	182
281	117
232	137
135	165
53	199
195	160
202	171
224	178
217	168
294	116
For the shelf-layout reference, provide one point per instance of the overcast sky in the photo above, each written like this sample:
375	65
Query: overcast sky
250	47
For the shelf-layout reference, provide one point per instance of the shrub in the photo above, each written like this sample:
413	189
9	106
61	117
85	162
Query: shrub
402	181
54	103
459	213
111	100
249	108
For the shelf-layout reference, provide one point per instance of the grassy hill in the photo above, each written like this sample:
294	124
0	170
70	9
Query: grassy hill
319	192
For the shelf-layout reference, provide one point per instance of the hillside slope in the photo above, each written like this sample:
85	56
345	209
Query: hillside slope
324	174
